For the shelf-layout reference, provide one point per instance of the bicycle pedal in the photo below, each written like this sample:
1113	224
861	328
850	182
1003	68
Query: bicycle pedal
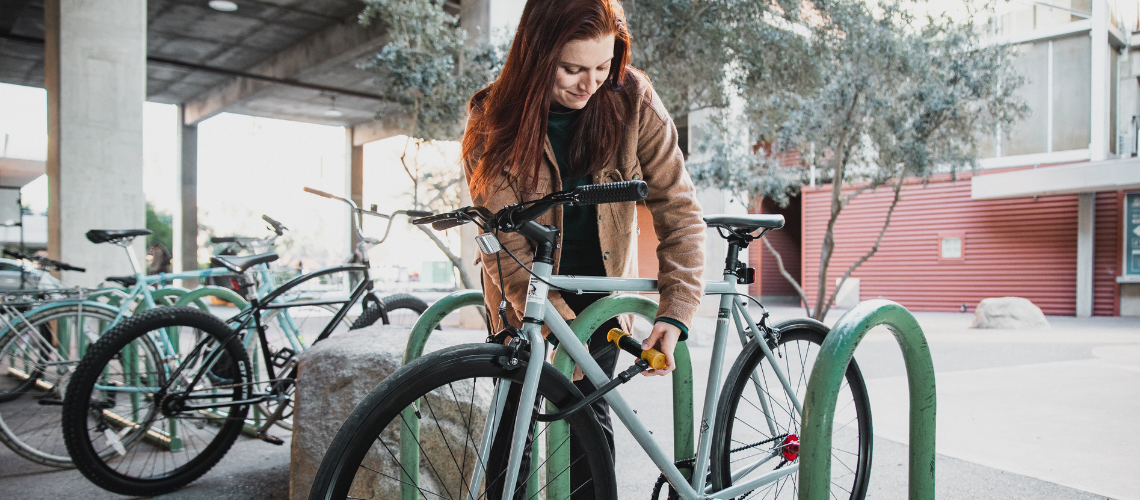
50	402
274	440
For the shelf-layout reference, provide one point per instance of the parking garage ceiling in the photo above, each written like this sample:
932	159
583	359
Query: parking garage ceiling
284	59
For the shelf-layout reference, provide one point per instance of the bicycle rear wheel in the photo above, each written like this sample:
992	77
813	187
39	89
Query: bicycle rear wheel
446	394
135	426
37	358
399	309
757	426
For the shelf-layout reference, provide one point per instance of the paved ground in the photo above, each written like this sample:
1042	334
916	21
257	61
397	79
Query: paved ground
1033	415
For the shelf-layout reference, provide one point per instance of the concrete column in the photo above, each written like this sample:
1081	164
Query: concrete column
1086	236
186	223
354	157
1101	73
95	76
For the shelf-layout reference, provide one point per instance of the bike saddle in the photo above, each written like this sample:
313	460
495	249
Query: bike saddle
240	264
745	223
114	235
126	281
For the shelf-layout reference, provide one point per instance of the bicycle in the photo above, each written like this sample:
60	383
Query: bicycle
396	442
143	417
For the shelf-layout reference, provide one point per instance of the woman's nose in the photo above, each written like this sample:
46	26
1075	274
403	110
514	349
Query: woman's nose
591	83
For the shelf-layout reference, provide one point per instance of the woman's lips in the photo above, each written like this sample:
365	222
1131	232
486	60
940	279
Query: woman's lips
580	97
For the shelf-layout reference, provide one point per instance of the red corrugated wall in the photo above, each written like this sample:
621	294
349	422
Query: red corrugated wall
1107	248
786	241
1019	247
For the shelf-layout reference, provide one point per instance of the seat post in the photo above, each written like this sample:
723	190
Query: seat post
131	255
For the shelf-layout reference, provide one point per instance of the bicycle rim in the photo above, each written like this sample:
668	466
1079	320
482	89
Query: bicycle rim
757	427
41	358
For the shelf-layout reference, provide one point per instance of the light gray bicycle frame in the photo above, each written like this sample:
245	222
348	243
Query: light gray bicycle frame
539	311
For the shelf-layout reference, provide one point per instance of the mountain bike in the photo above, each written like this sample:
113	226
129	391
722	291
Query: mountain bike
152	408
427	430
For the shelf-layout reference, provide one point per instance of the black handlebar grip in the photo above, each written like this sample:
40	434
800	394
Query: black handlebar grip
611	192
441	225
222	239
419	213
13	254
69	267
277	227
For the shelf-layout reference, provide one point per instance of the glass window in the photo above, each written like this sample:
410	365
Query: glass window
1029	136
1072	93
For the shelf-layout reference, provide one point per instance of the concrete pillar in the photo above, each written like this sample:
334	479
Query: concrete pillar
95	76
1101	74
354	157
186	222
1086	236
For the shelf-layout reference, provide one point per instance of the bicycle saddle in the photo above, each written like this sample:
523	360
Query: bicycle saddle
240	264
114	235
126	281
745	223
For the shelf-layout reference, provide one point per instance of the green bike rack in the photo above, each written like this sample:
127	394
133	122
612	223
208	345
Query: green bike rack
194	297
417	339
584	326
823	390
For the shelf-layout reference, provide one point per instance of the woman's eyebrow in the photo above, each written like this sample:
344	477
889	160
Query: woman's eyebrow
568	64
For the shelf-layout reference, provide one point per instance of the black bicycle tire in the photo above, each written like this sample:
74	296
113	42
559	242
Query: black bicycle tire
739	378
374	312
74	415
9	441
392	395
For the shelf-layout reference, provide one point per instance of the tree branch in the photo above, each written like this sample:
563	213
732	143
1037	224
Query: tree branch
788	276
874	248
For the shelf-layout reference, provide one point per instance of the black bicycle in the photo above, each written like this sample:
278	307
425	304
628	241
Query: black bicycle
162	397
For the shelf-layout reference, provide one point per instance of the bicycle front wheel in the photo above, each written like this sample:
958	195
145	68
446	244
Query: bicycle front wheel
757	427
445	397
137	425
37	357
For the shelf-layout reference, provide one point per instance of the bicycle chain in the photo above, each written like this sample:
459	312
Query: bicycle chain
162	402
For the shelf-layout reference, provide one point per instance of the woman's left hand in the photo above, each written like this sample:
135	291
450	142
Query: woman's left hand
664	338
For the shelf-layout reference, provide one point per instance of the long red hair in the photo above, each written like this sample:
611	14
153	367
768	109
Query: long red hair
510	114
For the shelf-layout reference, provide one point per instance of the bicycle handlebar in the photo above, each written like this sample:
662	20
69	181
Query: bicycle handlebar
44	261
511	218
359	213
277	226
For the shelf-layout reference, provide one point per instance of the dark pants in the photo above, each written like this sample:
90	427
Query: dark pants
579	469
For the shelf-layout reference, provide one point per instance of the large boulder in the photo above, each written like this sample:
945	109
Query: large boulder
334	376
1009	313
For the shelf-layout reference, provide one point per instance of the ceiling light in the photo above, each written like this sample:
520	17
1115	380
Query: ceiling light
332	112
223	5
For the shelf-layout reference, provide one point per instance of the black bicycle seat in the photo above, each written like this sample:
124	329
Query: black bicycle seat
114	235
126	281
240	264
745	223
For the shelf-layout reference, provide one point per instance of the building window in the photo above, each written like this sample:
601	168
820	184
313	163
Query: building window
1058	91
1072	93
951	246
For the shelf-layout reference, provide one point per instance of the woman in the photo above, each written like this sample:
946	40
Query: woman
568	110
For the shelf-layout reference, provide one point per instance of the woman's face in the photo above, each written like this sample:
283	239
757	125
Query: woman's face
582	67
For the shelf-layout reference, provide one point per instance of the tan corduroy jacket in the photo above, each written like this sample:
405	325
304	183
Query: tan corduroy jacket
648	151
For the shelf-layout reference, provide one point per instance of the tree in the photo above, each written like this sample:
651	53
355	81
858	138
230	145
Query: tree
430	71
886	97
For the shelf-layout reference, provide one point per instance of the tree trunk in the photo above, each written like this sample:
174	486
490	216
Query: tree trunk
872	251
836	207
788	276
456	261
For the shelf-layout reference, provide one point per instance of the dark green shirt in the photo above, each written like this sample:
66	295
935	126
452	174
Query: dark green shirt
581	248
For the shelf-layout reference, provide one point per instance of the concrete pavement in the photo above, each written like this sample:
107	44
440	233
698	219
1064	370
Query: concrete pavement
1022	415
